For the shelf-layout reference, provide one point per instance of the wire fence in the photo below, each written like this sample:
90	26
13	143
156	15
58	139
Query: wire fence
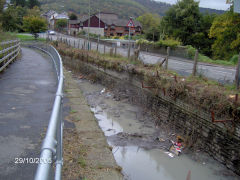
9	50
51	151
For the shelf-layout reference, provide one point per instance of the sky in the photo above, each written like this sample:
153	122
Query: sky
214	4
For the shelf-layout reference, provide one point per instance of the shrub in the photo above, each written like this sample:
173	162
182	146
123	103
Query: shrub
172	43
234	59
191	51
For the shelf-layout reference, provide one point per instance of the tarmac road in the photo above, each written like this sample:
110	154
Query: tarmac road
222	74
27	92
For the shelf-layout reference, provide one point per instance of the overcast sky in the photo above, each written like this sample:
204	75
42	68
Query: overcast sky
214	4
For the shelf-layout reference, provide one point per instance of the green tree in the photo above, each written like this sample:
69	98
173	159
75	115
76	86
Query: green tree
2	2
9	19
182	20
61	24
19	2
35	11
73	16
226	30
34	25
32	3
12	18
150	23
200	39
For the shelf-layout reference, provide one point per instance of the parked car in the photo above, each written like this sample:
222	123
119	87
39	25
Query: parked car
50	32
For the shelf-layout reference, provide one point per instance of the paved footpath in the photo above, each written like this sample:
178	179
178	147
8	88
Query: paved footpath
27	92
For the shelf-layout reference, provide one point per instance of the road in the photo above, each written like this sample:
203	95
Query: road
27	92
182	66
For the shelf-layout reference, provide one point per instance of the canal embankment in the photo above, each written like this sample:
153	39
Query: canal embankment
194	118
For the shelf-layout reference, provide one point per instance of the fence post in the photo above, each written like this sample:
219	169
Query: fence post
129	50
104	49
166	63
237	76
195	63
115	53
111	52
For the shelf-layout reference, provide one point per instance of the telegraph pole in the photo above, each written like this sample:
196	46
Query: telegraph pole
129	38
88	23
99	16
130	24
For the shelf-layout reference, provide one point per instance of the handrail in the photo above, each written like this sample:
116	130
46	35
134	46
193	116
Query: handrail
51	150
8	42
9	50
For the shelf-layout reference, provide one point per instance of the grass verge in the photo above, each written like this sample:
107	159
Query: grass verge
26	37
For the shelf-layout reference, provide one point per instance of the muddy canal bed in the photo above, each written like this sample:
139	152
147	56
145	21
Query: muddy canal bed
140	147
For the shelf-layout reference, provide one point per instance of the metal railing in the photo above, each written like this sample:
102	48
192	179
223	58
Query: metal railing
51	151
9	50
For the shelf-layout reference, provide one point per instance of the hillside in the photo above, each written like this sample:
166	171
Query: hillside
124	8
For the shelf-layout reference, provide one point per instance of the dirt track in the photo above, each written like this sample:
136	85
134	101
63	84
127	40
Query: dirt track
86	152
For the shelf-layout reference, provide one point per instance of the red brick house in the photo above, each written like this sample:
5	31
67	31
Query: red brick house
105	24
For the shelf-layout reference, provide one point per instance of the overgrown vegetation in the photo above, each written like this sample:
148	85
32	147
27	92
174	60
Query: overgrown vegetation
172	43
198	92
202	58
6	36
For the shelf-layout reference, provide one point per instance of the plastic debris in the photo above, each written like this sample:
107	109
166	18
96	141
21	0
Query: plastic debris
103	91
170	154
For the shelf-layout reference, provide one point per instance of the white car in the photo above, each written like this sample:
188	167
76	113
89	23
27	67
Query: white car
51	32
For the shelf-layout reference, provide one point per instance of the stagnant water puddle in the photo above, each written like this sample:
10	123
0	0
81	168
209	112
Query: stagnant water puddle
132	135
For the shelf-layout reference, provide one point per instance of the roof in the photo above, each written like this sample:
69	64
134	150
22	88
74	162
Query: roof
61	16
107	18
49	13
120	22
112	19
74	21
107	15
83	18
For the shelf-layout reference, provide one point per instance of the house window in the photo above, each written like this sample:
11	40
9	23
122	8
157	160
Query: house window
119	34
138	29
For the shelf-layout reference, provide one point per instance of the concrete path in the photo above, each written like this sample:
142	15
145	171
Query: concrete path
27	92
